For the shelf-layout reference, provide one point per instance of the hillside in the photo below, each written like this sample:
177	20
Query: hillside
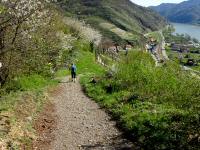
185	12
41	108
117	19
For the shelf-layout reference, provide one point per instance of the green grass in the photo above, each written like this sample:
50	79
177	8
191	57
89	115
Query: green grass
26	83
197	68
156	35
22	85
23	97
32	82
17	107
62	73
129	20
86	64
152	104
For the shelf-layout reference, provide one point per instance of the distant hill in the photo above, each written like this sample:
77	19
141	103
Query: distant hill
185	12
116	19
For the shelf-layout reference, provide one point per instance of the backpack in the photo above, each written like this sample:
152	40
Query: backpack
73	69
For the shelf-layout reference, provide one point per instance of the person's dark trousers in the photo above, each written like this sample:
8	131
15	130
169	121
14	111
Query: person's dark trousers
73	76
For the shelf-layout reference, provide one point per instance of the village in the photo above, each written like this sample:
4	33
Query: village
186	54
179	48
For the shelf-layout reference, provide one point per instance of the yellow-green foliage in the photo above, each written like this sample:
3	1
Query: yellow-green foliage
158	106
165	84
86	64
62	72
156	35
33	46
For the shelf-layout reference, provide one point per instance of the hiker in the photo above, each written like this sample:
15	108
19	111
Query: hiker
73	72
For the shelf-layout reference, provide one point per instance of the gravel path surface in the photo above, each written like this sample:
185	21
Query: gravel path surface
82	124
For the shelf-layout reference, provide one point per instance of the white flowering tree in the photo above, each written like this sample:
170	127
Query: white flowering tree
85	32
27	36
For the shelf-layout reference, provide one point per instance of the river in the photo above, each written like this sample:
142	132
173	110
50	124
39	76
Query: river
192	30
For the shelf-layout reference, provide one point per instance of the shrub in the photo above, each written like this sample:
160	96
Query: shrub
157	106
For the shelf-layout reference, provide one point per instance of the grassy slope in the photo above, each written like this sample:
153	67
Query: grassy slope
122	14
87	65
20	107
156	35
133	17
153	104
23	98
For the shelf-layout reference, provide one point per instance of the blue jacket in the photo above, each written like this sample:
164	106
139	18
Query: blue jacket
73	68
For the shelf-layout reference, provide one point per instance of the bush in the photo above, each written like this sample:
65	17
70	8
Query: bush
157	106
62	72
25	83
32	82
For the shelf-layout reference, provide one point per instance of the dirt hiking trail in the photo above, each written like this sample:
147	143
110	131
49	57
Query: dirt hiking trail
82	124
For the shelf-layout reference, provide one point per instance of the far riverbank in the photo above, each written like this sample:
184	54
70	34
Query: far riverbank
192	30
